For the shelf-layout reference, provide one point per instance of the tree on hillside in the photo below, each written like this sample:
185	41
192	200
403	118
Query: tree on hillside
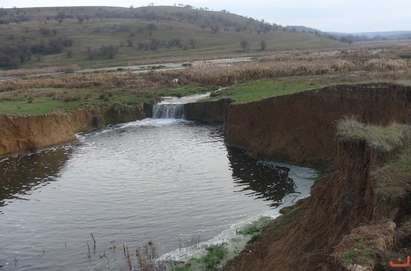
130	43
263	45
192	43
245	45
104	52
215	28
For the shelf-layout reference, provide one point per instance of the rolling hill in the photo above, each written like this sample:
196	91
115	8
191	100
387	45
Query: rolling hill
107	36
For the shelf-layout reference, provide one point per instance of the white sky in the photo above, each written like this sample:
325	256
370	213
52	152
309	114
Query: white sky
327	15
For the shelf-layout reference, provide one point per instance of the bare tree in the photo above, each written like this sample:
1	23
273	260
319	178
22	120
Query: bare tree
263	45
245	45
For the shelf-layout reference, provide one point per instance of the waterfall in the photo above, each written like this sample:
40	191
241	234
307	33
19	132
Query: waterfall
173	107
168	111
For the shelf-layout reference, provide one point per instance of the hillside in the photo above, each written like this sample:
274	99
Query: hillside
107	36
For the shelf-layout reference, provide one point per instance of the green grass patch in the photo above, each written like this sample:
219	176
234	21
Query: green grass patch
209	262
42	101
359	255
256	227
348	256
261	89
35	106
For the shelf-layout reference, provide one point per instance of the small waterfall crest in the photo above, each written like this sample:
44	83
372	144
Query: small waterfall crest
173	107
168	111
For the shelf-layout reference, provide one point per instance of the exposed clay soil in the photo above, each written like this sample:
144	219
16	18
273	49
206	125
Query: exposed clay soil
27	133
301	127
343	205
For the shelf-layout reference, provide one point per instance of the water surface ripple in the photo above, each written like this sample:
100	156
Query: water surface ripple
161	180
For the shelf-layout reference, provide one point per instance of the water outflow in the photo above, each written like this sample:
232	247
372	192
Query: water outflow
173	107
168	111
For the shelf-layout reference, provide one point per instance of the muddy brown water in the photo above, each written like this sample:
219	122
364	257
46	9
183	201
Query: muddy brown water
165	180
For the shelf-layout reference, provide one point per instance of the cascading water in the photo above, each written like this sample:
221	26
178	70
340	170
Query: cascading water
173	107
168	111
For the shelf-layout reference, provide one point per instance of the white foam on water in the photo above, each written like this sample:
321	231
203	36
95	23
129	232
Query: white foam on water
173	107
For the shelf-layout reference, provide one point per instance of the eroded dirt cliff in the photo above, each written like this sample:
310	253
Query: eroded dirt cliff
27	133
301	127
207	112
358	215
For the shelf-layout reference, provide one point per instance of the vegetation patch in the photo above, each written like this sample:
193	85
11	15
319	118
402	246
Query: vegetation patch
218	255
382	138
365	244
256	227
211	261
42	101
393	180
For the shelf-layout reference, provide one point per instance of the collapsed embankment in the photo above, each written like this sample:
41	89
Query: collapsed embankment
27	133
346	224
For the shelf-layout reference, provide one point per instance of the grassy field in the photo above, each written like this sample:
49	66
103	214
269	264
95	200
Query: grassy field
51	100
261	89
55	99
283	73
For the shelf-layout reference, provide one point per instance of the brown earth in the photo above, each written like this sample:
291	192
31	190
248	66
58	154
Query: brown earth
339	202
207	112
319	233
301	127
27	133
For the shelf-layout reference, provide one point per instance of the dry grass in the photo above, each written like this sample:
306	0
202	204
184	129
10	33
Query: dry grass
298	63
317	67
393	178
382	138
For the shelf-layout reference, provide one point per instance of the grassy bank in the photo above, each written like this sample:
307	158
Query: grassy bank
280	74
261	89
42	101
45	100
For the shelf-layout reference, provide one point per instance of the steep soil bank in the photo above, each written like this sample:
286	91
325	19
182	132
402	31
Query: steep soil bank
207	112
27	133
358	216
301	127
341	226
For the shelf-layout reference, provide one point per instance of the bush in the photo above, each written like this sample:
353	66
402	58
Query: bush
245	45
104	52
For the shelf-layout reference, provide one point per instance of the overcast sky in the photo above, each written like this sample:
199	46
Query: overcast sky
327	15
